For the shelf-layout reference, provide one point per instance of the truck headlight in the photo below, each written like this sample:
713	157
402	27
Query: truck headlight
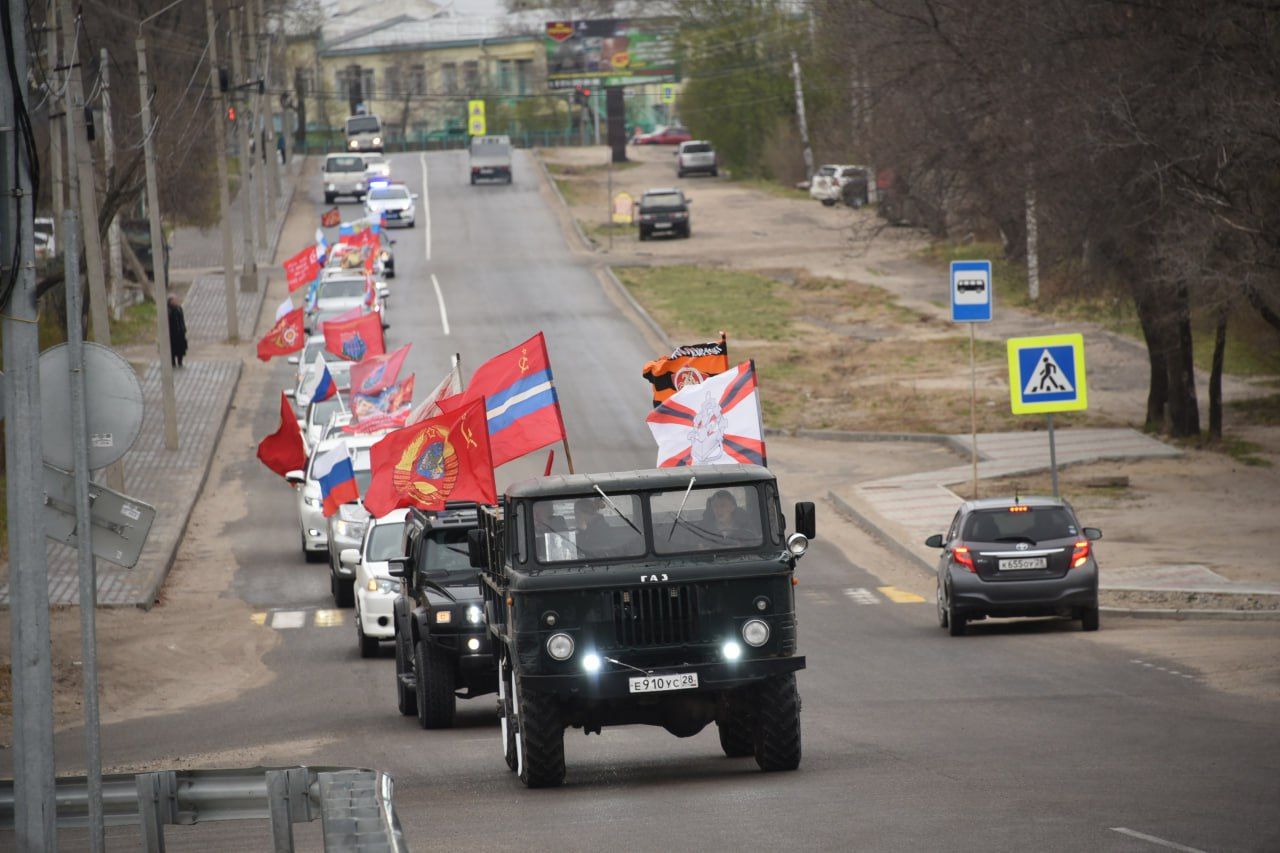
474	614
359	185
797	544
353	144
560	646
731	650
443	617
377	140
591	662
330	187
755	633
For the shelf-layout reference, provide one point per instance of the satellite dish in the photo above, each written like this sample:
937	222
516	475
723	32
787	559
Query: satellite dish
113	405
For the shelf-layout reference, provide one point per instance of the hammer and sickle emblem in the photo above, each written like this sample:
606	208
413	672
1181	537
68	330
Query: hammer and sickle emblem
524	361
467	436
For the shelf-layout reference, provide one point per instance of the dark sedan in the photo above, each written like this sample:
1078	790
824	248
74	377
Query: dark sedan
1016	557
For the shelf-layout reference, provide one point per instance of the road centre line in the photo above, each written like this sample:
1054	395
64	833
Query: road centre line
1172	845
426	205
444	315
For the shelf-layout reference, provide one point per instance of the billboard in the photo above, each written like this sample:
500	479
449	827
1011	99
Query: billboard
610	52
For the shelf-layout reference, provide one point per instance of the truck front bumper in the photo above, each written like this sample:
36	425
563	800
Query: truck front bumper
613	681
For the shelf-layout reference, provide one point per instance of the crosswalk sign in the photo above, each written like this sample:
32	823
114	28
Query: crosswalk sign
1046	374
668	93
476	125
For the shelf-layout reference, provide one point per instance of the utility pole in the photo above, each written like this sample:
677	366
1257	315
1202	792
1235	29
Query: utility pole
115	263
34	808
269	141
161	274
249	270
800	117
55	129
80	159
224	192
260	159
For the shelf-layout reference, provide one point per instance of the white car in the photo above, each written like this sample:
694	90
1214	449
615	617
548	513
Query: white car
311	520
829	181
376	166
315	418
339	293
376	590
394	202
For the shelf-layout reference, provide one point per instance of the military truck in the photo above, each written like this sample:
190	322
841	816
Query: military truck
443	651
659	597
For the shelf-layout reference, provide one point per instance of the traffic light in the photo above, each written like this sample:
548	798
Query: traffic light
231	113
581	95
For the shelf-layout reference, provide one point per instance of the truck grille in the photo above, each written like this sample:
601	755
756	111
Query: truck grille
655	615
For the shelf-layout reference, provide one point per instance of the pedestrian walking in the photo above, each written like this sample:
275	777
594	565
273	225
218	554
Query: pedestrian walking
177	331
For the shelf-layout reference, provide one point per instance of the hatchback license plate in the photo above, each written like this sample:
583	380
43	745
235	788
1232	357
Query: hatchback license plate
662	225
1024	563
660	683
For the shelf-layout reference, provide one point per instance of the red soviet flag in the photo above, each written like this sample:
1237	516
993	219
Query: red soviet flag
357	338
302	268
437	460
285	336
283	451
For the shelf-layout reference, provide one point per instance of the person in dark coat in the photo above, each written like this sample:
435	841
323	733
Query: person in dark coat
177	331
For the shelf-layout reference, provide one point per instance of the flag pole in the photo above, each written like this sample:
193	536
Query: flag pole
341	404
568	457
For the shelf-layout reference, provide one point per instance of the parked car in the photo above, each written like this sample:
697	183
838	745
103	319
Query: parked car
696	156
1016	556
663	135
664	211
375	589
343	175
393	202
829	182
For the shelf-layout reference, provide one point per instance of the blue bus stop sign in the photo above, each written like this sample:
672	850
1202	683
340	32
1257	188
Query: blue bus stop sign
971	291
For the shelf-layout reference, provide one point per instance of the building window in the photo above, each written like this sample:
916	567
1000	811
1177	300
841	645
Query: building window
391	81
524	75
417	80
367	91
471	77
340	84
506	76
449	75
304	80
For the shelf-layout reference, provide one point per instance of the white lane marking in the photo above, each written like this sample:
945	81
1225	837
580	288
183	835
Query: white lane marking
444	315
1172	845
426	207
282	619
861	595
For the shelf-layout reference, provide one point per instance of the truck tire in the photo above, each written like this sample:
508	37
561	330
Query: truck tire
406	699
737	735
777	724
541	741
433	672
509	742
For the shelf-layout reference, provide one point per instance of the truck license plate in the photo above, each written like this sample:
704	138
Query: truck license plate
1024	563
659	683
662	225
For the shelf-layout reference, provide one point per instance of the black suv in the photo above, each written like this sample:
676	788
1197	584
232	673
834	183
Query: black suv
442	648
664	212
1016	557
657	597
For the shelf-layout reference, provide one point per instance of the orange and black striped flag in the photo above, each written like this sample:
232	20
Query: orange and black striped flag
687	365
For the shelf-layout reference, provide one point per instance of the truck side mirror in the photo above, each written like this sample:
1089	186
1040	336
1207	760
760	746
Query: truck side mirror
397	567
934	541
806	519
477	548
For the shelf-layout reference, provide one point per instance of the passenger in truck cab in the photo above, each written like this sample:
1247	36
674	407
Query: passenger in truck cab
545	519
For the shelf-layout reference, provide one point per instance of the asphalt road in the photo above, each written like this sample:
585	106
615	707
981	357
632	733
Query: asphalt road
1021	736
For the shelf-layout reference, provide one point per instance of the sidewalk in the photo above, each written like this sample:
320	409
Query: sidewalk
171	481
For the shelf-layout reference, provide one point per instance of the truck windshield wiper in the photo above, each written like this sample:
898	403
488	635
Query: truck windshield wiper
613	506
683	501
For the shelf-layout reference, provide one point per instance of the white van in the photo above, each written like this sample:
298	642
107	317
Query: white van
364	133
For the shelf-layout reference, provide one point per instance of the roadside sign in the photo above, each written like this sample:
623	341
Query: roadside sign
476	125
623	205
971	291
1046	375
120	523
668	93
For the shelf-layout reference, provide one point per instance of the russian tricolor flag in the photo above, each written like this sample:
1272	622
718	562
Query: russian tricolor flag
322	385
337	479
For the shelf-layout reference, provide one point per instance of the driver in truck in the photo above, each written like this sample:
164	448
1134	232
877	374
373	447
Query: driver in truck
724	519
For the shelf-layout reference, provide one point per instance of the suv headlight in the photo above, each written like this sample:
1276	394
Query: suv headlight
312	502
755	633
560	646
359	185
349	529
382	585
330	187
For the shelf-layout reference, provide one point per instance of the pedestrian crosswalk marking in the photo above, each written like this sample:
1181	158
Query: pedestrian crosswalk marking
328	618
258	618
900	596
285	619
861	595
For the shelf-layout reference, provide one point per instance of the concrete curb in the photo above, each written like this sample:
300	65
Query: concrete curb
845	509
951	442
153	589
577	229
1179	615
637	307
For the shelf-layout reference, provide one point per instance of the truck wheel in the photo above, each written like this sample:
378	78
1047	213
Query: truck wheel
777	724
406	699
541	741
344	591
506	685
434	674
368	645
737	737
328	198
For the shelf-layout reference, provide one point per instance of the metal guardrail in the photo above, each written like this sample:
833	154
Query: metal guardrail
356	807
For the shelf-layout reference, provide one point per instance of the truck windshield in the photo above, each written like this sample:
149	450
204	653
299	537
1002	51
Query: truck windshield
720	518
588	528
363	124
344	164
444	555
384	542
